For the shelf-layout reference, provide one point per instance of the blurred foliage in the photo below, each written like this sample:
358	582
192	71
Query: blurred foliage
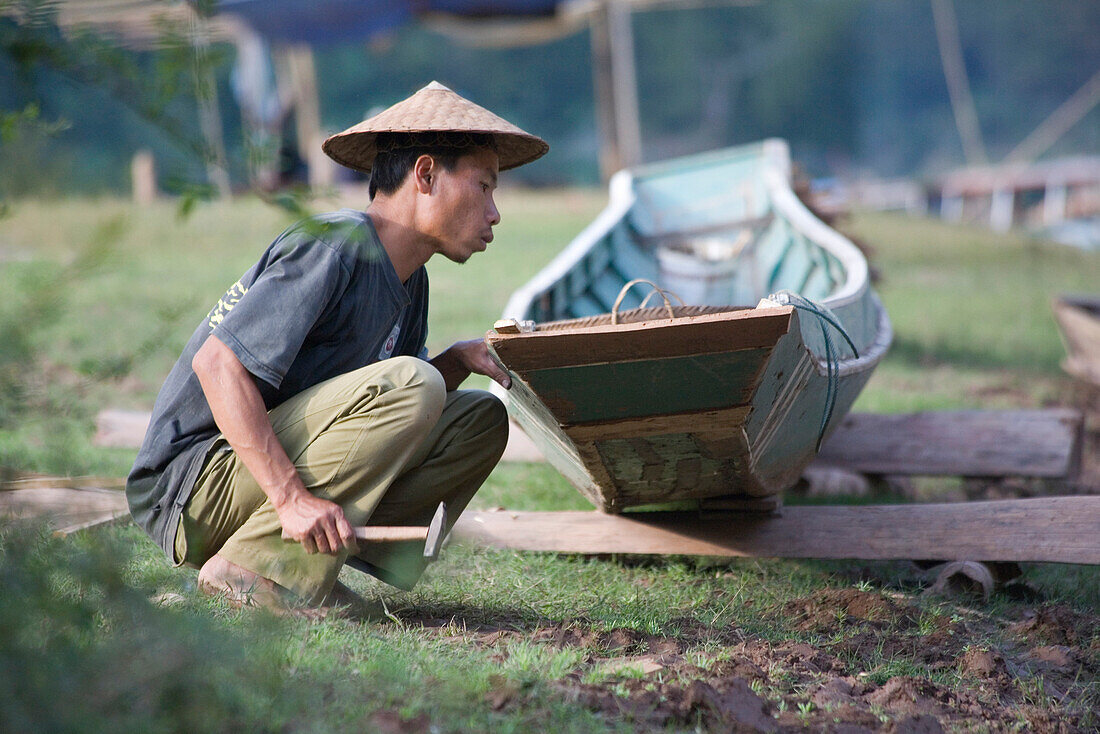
105	96
39	300
24	137
83	650
44	408
1024	59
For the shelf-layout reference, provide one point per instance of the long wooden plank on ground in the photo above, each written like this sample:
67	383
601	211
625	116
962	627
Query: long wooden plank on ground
979	443
66	508
1051	529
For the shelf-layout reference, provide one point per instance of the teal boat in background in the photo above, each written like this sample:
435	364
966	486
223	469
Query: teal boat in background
763	332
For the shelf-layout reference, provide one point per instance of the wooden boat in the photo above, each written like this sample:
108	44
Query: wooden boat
728	394
1078	320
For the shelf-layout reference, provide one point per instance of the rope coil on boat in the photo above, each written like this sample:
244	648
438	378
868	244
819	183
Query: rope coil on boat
656	289
832	358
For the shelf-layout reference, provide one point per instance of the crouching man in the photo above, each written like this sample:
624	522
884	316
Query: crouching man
303	404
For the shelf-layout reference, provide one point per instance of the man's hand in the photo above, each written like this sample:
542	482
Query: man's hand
462	358
319	525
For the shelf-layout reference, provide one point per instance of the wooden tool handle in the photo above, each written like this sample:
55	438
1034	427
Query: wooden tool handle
384	533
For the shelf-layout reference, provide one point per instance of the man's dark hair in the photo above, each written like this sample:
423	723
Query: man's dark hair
397	153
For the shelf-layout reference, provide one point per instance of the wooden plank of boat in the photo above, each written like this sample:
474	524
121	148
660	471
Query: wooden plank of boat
639	412
1078	319
1051	529
975	443
708	333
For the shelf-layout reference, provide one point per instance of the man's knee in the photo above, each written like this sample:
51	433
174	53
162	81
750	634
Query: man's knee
423	383
488	417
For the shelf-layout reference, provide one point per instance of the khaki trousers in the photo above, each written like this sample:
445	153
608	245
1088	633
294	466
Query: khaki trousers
386	442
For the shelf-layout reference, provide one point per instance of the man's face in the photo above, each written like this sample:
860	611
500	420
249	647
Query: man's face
462	213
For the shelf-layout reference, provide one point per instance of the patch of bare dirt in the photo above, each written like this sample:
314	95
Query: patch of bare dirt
721	704
391	722
715	699
799	686
683	633
1031	672
830	610
1056	625
935	650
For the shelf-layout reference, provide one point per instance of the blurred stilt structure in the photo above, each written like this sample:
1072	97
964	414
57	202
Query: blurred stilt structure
143	177
1060	189
210	117
616	86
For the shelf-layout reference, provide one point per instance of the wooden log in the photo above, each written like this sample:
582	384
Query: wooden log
30	480
1050	529
1025	443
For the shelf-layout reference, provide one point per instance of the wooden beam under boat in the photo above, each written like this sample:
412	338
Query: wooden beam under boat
968	443
1051	529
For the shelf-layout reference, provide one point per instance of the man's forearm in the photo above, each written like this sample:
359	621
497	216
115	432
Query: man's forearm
241	416
451	367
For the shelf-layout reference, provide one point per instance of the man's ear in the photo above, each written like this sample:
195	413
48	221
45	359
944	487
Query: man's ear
424	174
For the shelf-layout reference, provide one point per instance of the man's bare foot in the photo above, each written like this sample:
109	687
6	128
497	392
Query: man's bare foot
243	588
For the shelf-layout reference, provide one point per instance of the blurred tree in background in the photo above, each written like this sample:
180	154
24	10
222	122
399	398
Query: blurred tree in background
855	85
75	105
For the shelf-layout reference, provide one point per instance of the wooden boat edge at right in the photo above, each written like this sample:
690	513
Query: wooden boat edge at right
1078	319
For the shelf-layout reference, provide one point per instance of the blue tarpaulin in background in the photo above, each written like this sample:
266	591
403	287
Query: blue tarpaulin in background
318	22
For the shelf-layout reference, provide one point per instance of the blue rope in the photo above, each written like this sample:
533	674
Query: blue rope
832	358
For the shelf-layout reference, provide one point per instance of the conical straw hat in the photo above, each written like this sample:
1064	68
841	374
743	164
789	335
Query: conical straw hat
435	108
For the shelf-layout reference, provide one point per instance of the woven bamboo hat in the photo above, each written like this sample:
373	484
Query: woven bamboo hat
434	109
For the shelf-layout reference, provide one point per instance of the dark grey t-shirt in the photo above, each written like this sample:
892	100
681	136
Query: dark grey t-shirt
323	300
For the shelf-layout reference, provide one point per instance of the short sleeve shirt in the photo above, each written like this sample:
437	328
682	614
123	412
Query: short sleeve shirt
323	300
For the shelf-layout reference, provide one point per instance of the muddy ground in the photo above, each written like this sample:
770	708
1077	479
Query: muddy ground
858	659
1033	669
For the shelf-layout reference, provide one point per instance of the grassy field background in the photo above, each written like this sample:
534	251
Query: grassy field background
100	295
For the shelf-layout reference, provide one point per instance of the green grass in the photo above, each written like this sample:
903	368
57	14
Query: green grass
124	287
971	314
